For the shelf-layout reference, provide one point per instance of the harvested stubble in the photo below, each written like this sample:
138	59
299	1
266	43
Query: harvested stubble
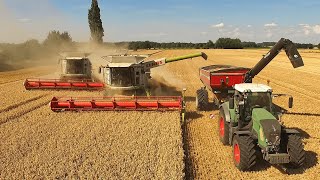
107	145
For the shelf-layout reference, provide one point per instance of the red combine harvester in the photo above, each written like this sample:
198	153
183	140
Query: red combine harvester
220	79
127	72
75	73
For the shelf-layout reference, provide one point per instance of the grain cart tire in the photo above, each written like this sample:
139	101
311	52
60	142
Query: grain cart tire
295	151
223	128
202	99
244	153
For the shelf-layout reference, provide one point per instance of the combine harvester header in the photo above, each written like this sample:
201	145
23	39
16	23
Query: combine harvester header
121	103
61	84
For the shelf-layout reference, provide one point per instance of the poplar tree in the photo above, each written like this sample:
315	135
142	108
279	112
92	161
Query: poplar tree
95	22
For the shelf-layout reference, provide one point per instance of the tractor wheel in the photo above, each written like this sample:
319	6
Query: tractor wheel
202	99
295	151
244	153
223	128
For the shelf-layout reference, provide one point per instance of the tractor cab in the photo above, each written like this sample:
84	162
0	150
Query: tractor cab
248	97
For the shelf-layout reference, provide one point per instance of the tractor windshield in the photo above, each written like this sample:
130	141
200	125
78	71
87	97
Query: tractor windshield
121	77
259	100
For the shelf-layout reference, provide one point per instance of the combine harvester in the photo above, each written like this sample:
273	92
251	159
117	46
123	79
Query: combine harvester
75	73
126	73
120	72
130	73
248	119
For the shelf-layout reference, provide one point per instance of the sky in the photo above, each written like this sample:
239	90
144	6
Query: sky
165	20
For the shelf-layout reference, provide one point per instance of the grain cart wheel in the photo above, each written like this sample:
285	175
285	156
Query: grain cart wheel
244	153
223	128
202	99
295	151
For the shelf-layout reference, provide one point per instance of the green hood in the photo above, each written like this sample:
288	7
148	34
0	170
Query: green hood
265	125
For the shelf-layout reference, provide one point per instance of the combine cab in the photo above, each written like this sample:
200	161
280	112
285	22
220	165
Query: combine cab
75	73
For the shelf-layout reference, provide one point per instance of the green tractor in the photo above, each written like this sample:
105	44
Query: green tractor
249	123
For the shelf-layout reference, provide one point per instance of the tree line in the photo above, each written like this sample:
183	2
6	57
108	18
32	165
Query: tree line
16	56
221	43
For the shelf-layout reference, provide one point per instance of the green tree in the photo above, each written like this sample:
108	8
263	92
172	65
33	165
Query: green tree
57	38
228	43
319	46
95	22
209	45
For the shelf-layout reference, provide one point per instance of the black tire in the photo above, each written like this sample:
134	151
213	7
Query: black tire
244	152
223	128
202	99
295	150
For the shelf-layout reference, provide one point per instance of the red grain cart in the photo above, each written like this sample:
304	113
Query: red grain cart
220	80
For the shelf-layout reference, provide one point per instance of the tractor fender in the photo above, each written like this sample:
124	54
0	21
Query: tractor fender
225	108
291	131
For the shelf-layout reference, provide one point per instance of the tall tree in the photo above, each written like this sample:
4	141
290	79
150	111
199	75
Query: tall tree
95	22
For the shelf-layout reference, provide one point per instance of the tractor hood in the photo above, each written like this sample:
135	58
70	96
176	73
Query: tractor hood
266	126
261	113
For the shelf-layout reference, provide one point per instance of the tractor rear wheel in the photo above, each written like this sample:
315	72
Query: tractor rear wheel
223	128
295	151
244	153
202	99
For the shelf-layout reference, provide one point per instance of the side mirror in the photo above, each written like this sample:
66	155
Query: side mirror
290	102
231	103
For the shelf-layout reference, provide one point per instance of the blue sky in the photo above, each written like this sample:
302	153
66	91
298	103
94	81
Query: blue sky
165	20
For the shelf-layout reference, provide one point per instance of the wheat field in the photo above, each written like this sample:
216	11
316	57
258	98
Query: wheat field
37	143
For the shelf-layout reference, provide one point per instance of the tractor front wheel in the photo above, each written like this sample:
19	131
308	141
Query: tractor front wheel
244	153
223	128
202	99
295	151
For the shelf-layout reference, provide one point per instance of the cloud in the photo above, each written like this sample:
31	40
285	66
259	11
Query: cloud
24	20
316	29
271	25
157	34
236	32
249	26
204	33
220	25
307	29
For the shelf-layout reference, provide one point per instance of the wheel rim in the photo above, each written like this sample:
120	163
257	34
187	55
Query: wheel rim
236	153
221	127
